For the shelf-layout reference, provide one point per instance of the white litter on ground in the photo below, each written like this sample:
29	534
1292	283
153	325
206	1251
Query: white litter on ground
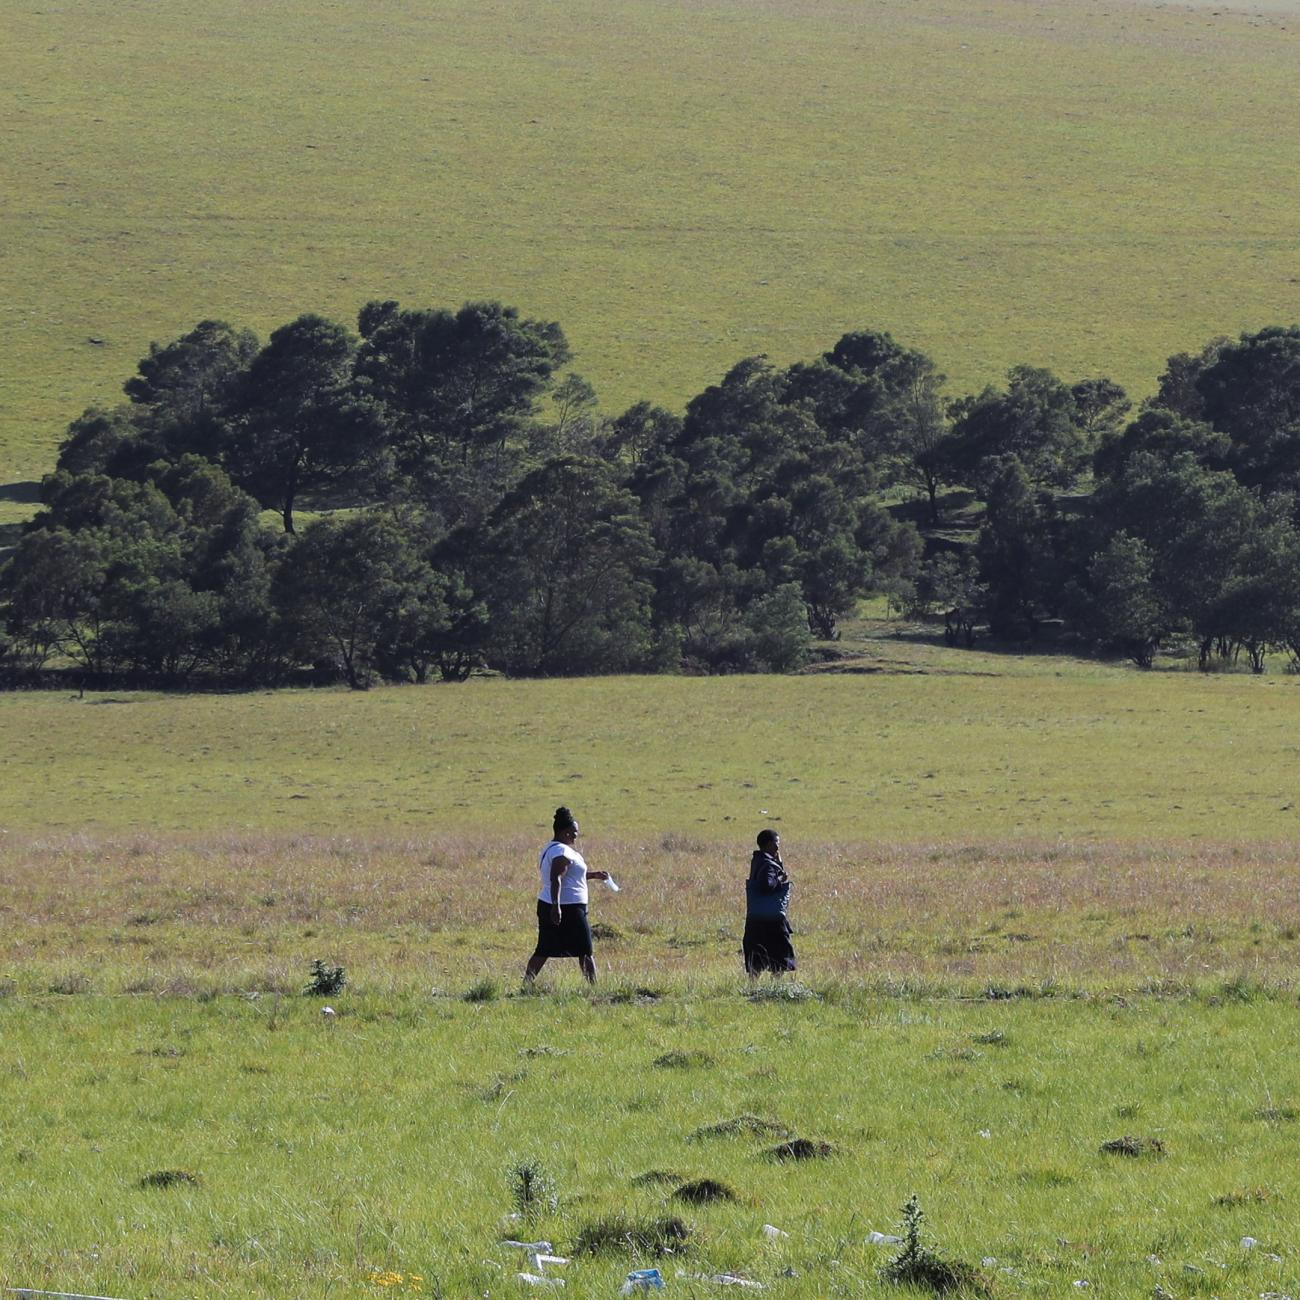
883	1239
52	1295
1248	1243
533	1247
773	1233
535	1279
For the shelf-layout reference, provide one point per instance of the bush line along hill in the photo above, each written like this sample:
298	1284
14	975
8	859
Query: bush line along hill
482	511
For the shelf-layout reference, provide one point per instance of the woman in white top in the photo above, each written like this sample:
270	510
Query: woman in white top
562	926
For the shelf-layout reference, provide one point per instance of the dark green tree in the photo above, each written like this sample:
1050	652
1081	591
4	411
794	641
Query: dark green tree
1036	420
1127	609
302	421
565	567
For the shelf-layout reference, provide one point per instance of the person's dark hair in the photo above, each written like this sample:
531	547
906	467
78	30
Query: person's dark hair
766	838
564	820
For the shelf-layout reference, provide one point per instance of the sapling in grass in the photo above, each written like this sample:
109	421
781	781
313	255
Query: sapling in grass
919	1265
325	980
532	1189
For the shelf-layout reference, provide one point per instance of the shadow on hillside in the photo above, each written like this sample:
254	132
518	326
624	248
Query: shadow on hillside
26	492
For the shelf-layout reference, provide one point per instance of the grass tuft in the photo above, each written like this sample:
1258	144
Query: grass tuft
752	1125
1133	1146
620	1235
679	1060
1246	1196
781	991
656	1178
170	1178
485	990
704	1190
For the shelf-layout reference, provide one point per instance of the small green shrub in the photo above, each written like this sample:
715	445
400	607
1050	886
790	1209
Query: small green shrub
484	990
532	1189
325	980
918	1265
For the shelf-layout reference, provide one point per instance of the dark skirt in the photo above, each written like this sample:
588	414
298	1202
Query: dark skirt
767	945
571	938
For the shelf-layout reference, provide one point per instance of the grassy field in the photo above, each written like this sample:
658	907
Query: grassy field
1040	905
1056	749
366	1153
1084	186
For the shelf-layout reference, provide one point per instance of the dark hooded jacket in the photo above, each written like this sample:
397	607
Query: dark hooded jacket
767	891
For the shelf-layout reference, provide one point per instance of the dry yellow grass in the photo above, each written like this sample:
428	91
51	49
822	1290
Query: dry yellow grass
181	913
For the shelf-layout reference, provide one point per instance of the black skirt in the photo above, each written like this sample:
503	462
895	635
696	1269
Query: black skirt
571	938
767	944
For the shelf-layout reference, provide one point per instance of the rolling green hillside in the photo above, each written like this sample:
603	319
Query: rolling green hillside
1077	185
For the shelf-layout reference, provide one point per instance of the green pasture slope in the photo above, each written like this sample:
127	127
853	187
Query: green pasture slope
1081	185
1065	750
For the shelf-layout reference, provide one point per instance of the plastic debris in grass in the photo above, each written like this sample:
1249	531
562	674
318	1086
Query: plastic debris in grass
883	1239
642	1279
530	1247
773	1233
536	1279
722	1279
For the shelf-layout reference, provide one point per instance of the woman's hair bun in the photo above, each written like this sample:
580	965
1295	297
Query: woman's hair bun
563	817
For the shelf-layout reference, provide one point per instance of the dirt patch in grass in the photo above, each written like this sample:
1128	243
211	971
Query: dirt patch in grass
704	1190
802	1149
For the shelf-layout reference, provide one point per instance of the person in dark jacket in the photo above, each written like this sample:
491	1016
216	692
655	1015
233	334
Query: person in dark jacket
766	944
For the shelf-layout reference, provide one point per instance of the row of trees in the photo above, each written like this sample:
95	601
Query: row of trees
481	511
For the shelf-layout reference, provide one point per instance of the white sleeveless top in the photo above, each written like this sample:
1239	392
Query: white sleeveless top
573	884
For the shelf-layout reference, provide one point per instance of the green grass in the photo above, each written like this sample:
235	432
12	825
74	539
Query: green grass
327	1151
1081	186
1061	749
1040	904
